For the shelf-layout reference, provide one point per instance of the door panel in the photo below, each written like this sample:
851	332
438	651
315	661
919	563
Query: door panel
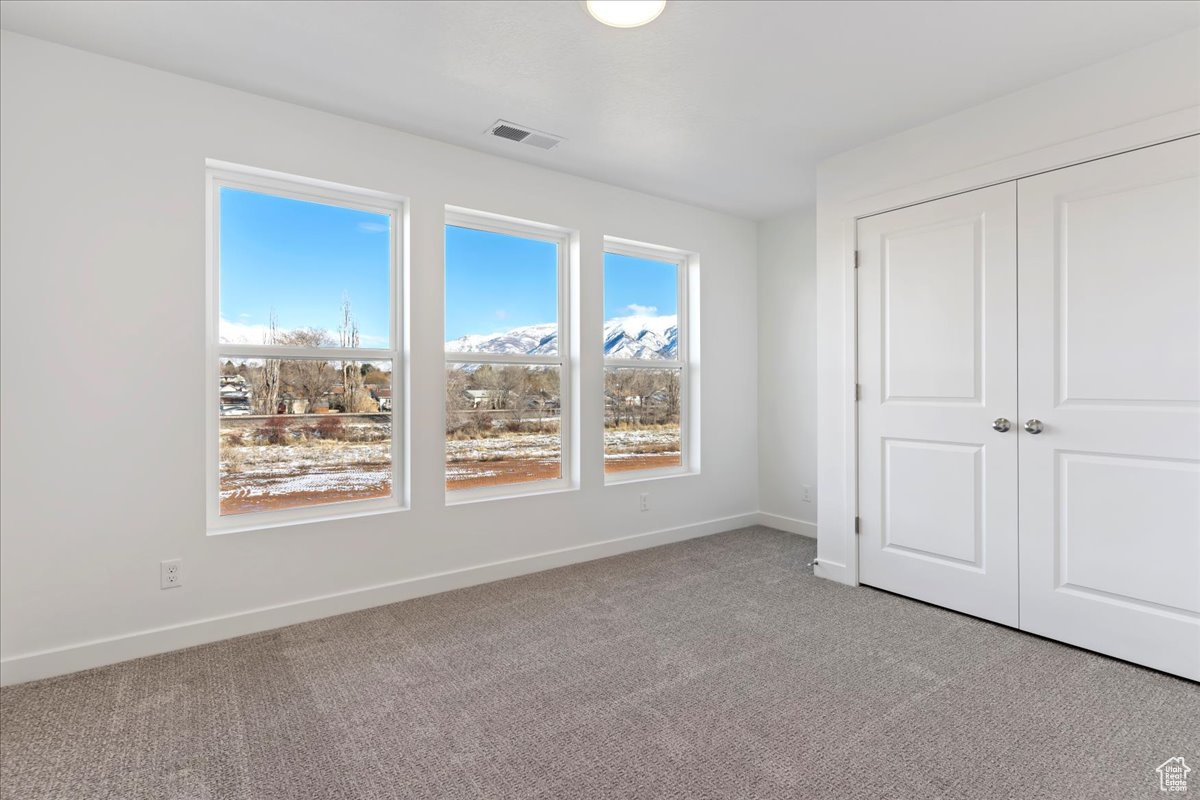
937	363
1109	346
932	356
931	500
1127	288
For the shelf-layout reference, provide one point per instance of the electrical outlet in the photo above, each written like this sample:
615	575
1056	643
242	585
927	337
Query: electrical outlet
806	494
170	573
645	501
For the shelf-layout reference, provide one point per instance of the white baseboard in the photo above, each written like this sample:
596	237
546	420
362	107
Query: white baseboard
788	524
832	570
100	652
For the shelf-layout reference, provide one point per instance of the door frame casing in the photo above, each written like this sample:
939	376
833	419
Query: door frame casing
837	220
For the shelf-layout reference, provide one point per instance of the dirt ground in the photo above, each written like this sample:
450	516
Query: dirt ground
308	472
497	473
234	503
656	461
471	475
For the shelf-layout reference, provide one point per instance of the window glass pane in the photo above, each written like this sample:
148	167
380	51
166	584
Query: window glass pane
502	425
303	432
641	419
641	307
501	293
303	273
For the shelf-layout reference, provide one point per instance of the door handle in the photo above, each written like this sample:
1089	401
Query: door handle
1001	424
1033	426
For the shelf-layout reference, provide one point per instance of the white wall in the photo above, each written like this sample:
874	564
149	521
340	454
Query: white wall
787	371
1141	97
102	286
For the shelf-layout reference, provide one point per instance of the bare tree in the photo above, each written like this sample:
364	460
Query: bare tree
673	392
348	332
457	401
308	378
265	396
520	393
357	396
543	387
641	396
620	386
507	388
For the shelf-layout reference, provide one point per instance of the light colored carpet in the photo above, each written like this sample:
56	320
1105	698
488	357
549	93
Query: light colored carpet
714	668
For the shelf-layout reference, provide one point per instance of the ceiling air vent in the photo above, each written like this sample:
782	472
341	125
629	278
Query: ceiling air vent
523	135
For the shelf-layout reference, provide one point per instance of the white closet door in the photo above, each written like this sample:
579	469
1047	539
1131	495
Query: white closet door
1109	322
937	365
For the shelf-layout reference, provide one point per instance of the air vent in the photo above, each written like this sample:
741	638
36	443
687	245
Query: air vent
509	132
524	135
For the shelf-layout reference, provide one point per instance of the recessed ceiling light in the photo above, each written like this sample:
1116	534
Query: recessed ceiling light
626	13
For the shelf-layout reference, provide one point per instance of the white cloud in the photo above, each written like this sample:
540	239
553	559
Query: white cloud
641	311
501	313
244	333
374	227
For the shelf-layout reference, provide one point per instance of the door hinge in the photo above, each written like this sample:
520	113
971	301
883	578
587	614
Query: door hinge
857	392
856	259
857	525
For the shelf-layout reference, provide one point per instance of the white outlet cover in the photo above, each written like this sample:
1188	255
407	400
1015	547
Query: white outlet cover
170	573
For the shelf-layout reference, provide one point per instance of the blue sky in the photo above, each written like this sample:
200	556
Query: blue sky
496	282
299	258
639	286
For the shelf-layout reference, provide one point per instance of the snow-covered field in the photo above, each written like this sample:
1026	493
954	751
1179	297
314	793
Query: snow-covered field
257	476
503	448
629	443
266	476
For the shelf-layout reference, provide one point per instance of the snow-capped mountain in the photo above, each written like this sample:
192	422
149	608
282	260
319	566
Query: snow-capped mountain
641	337
531	340
624	337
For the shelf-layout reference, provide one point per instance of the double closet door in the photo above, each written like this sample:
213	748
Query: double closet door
1029	416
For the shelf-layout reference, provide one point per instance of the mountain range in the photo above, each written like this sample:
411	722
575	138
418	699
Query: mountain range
641	337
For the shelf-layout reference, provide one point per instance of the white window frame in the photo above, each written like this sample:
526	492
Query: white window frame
223	174
687	306
565	240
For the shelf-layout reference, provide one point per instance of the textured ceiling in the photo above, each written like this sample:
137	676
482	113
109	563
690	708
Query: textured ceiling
727	105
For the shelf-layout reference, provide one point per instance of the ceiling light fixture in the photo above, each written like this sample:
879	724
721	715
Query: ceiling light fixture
625	13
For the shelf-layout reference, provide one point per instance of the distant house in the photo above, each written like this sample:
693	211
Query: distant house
290	404
479	397
627	401
383	397
235	396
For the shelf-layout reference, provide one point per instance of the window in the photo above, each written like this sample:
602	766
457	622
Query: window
645	360
304	361
507	409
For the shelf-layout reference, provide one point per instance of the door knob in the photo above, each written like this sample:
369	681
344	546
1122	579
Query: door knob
1001	424
1033	425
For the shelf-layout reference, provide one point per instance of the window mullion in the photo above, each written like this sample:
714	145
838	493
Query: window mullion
287	352
642	364
503	358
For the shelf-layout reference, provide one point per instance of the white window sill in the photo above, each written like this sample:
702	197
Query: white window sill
336	512
644	475
459	497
